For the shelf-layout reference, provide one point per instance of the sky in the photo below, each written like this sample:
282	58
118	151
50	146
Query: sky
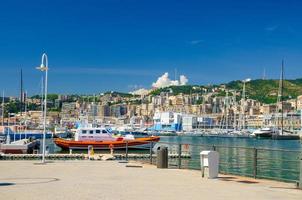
102	45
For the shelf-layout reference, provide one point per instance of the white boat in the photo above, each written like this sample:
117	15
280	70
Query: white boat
266	132
19	147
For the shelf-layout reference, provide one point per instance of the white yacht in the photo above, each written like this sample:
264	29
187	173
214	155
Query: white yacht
266	132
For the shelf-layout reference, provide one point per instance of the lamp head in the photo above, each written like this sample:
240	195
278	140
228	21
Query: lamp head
42	68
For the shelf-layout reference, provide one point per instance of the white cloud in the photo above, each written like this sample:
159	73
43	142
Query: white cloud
165	81
183	80
141	91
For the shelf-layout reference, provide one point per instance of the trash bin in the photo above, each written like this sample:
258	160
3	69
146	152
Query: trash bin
209	163
162	157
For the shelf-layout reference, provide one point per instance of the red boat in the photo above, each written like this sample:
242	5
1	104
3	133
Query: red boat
100	138
118	144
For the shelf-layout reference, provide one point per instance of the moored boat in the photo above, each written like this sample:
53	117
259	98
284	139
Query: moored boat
24	146
100	138
266	132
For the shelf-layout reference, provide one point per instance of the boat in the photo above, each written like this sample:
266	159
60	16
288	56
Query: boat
24	146
286	137
129	130
101	138
278	133
35	134
266	132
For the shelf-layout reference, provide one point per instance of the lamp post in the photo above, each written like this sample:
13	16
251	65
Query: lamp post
44	67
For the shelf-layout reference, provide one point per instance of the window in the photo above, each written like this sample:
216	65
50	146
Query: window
97	131
91	131
104	131
84	131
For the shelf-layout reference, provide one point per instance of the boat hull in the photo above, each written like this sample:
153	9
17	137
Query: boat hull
19	148
138	143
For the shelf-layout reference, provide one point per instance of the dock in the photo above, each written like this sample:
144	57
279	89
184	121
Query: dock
29	180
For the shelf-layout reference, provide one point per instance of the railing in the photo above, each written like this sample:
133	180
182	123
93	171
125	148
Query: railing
276	164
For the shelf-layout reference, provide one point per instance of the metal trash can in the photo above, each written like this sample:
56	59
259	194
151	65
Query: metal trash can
162	157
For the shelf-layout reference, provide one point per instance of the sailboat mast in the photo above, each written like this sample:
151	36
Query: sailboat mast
281	94
3	110
242	123
21	92
227	110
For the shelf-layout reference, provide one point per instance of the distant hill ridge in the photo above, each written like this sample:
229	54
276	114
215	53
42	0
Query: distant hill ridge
265	91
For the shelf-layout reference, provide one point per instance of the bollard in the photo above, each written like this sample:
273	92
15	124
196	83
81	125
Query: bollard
179	156
47	150
126	150
151	152
90	152
300	182
255	163
111	147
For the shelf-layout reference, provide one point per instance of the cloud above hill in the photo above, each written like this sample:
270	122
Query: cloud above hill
165	81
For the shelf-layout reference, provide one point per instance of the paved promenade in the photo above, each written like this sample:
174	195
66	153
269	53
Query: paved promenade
112	180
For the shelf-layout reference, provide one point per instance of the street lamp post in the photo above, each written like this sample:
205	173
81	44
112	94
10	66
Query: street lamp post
44	67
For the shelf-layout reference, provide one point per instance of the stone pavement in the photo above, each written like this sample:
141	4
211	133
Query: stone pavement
112	180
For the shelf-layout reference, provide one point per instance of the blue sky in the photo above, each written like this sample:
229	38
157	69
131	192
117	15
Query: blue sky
100	45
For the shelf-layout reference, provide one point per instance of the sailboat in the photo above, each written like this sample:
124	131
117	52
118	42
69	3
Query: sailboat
283	134
241	130
276	132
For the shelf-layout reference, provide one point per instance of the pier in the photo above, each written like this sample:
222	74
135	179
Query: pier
113	180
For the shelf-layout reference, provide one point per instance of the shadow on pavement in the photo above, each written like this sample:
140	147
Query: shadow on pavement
27	181
6	184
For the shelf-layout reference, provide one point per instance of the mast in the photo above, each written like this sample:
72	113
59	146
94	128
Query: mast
3	110
94	111
281	94
242	117
264	74
21	92
227	110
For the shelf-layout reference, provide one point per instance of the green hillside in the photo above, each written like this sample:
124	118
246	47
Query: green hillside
265	91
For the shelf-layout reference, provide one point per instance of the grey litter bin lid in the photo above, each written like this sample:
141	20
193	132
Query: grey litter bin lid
161	148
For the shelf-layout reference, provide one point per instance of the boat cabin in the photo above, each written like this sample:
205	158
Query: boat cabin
93	134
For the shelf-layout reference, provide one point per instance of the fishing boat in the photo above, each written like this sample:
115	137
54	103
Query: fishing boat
101	138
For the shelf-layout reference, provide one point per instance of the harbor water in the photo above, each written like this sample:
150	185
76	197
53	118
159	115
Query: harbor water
275	159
